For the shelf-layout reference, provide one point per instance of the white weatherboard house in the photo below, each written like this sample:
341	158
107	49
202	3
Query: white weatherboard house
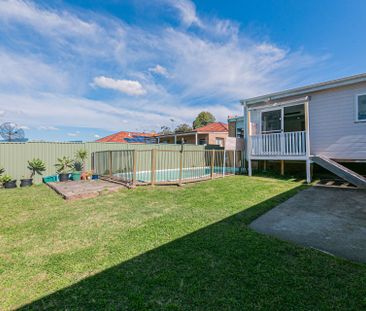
324	123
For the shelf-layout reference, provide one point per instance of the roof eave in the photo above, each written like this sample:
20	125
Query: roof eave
306	89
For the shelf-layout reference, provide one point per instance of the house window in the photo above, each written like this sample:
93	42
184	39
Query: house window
220	141
202	141
361	107
272	121
239	132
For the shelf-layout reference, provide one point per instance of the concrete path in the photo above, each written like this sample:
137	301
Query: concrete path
328	219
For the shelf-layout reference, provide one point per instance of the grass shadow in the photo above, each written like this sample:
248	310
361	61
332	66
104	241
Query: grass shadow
224	266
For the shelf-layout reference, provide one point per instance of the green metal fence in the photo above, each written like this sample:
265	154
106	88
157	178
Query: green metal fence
14	156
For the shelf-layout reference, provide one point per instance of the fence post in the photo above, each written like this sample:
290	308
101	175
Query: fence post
153	166
110	163
180	166
92	162
212	163
224	164
234	162
134	167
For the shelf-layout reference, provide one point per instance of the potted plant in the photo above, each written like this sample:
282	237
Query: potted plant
8	182
36	166
64	167
79	163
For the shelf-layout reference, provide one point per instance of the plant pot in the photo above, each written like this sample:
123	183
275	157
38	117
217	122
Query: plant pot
76	175
63	177
26	182
94	176
10	184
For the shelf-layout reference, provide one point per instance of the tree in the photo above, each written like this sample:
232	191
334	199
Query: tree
183	128
203	119
165	130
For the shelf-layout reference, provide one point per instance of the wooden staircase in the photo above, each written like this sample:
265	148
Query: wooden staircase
341	171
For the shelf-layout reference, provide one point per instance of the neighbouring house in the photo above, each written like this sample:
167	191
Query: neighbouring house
214	133
323	123
235	140
130	137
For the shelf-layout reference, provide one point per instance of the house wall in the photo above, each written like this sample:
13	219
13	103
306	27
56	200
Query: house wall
333	130
212	137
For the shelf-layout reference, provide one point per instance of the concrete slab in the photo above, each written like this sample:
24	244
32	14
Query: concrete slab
71	190
328	219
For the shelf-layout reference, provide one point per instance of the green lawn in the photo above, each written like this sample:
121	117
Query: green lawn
164	248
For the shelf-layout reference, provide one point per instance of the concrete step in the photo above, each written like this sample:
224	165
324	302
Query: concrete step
341	171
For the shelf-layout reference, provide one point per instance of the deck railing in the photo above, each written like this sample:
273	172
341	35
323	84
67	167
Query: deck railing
279	144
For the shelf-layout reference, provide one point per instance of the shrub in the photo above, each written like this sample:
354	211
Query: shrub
64	165
36	166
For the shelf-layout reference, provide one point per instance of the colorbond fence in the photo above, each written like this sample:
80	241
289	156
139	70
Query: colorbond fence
14	156
158	166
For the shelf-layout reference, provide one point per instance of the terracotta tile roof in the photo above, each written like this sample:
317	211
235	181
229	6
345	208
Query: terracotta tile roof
124	137
213	127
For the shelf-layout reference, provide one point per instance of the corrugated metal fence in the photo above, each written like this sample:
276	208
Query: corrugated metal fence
14	156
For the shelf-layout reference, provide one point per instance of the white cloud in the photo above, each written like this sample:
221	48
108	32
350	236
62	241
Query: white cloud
128	87
187	11
48	82
48	128
96	136
2	113
24	127
159	70
73	134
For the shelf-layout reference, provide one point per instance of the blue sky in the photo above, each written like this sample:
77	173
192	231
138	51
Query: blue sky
79	70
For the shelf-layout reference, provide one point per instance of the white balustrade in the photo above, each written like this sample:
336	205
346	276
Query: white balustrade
279	144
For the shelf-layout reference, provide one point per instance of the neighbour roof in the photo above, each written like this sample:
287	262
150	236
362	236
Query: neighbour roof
126	137
212	127
307	89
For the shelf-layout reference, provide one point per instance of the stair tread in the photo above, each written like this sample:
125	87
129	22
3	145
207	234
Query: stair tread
340	170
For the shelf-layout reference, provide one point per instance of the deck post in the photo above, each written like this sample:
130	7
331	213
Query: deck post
196	138
264	165
153	166
308	171
134	179
212	163
110	163
282	167
249	145
307	133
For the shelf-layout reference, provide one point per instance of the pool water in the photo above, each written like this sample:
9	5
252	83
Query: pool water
171	175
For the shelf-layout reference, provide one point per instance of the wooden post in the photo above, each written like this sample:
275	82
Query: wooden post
224	164
282	167
180	167
264	165
153	166
92	161
134	179
110	163
212	163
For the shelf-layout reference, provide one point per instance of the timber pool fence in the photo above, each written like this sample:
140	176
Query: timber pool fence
150	167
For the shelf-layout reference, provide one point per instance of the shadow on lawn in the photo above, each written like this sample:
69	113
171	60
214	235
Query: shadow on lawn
224	266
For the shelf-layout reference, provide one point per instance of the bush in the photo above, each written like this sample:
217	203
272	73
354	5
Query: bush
36	166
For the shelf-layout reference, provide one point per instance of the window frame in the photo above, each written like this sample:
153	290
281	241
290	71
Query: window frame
356	108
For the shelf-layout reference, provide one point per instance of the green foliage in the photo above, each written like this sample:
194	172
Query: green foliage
203	119
80	160
2	170
36	166
6	178
183	128
165	130
64	165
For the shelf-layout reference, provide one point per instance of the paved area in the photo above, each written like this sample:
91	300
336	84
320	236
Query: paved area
328	219
71	190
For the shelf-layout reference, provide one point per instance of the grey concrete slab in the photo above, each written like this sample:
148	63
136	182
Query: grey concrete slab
328	219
